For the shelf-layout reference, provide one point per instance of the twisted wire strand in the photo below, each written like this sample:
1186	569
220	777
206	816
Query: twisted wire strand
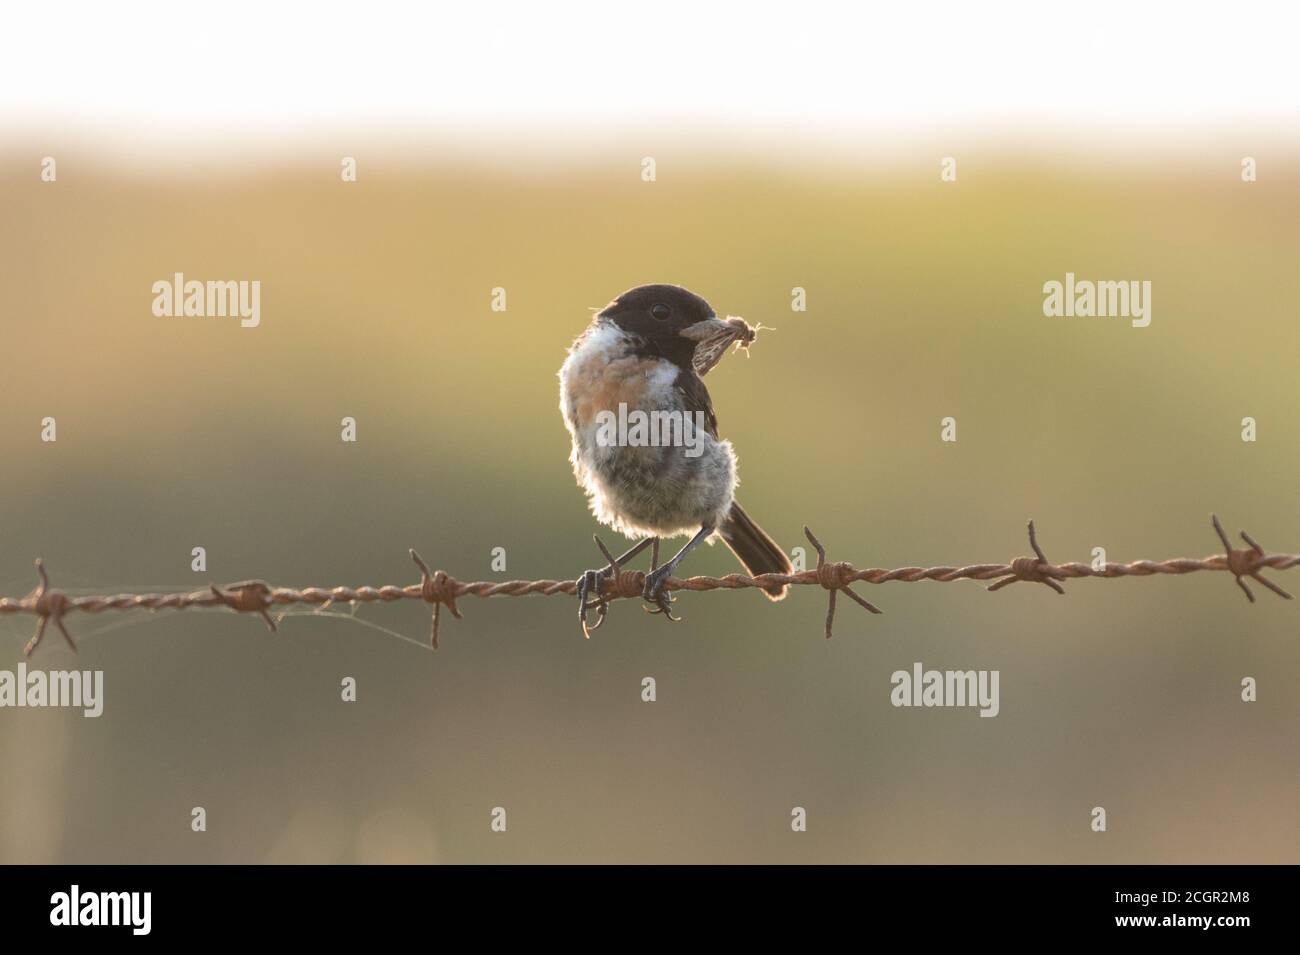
440	589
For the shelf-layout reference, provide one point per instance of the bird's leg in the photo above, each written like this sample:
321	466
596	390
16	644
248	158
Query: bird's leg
654	581
589	584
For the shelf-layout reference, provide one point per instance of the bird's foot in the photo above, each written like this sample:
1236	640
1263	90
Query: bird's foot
589	585
655	593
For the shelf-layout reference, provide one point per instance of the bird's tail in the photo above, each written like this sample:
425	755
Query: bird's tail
758	552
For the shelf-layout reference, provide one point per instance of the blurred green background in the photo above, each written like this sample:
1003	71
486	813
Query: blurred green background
924	301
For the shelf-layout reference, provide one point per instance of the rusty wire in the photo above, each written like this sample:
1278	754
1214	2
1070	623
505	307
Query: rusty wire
439	589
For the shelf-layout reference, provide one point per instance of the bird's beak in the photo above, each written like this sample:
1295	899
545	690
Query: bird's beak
707	329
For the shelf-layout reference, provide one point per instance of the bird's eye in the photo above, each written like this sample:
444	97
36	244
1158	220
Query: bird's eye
661	312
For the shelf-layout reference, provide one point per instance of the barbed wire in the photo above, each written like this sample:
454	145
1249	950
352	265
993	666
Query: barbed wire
439	589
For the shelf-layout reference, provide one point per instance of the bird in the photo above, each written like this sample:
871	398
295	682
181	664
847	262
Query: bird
646	351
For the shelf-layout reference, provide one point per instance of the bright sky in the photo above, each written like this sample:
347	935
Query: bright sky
841	66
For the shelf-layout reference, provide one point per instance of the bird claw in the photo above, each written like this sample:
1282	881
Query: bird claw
655	593
663	608
589	583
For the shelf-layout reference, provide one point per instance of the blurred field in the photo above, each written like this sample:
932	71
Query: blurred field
924	301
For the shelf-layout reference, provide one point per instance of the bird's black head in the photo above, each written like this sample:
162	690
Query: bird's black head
669	319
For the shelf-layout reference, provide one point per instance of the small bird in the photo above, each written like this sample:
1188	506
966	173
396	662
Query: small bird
646	351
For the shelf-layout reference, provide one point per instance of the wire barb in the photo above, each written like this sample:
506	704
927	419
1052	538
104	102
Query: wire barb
835	578
248	596
439	589
1245	562
1037	570
49	605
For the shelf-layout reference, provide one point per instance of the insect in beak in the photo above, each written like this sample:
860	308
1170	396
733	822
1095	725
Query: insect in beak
712	336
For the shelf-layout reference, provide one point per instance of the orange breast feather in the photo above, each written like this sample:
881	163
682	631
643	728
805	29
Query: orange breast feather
602	385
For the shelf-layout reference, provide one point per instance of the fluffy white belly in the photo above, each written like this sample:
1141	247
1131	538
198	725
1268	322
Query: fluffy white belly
661	491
